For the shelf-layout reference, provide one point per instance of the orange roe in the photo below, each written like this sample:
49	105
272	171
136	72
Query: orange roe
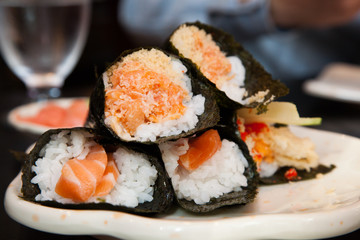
261	151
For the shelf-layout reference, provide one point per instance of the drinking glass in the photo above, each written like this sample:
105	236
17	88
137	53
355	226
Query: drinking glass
42	40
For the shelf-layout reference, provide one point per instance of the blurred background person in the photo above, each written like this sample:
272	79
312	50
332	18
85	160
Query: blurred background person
293	39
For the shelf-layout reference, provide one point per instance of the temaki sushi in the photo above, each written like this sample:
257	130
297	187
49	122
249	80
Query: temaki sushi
238	79
209	170
68	168
148	95
280	155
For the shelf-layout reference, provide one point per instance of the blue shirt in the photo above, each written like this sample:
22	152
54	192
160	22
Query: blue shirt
287	54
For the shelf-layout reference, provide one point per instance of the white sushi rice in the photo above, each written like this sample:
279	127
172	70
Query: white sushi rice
134	184
267	169
195	106
149	132
235	87
222	173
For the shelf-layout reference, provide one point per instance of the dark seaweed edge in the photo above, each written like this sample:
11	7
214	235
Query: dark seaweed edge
279	175
243	197
163	193
256	79
209	118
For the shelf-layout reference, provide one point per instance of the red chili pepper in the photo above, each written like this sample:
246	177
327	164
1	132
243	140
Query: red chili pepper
256	127
244	135
291	174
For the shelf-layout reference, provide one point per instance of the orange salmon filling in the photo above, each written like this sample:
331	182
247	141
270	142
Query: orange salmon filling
109	178
140	95
201	149
93	176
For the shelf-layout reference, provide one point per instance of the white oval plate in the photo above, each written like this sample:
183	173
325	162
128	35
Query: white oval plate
32	109
324	207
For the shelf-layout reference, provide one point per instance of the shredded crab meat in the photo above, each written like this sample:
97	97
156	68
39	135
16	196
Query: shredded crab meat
206	54
140	95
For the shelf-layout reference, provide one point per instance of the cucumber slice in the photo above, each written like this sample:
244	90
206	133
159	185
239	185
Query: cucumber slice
277	112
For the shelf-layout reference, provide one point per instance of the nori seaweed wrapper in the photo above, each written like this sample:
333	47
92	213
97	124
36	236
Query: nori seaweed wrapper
256	78
163	193
245	196
279	175
209	118
229	120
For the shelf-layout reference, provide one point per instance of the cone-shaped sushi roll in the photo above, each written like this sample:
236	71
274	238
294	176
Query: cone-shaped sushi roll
149	96
67	168
236	76
280	155
210	170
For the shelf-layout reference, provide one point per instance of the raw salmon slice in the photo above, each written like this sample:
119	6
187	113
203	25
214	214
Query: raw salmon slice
201	149
79	178
109	178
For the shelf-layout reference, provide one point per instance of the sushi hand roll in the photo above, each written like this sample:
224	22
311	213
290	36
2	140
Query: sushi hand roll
238	79
280	155
151	96
210	170
68	168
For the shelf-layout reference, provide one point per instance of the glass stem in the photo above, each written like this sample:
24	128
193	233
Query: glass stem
44	93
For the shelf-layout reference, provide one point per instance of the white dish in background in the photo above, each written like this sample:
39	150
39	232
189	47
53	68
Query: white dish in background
31	109
337	81
324	207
